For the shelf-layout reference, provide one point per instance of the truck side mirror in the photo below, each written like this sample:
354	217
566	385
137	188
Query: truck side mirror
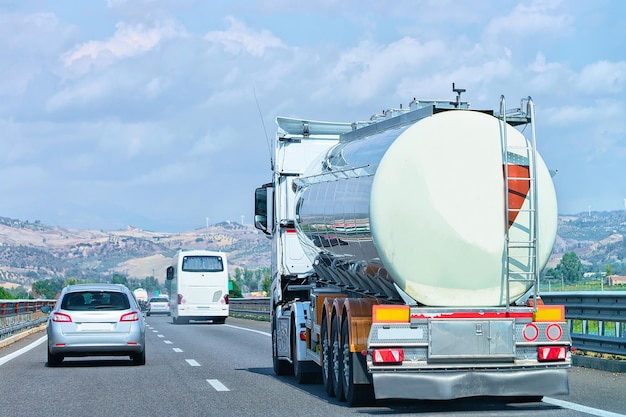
264	208
260	222
169	273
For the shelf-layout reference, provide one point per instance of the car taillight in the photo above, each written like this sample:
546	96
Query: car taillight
387	356
180	298
551	353
134	316
226	299
149	305
60	317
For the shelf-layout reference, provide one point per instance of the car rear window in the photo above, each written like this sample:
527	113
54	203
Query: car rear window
95	300
159	300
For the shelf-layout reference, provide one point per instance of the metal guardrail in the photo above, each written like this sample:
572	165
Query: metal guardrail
597	319
19	315
259	307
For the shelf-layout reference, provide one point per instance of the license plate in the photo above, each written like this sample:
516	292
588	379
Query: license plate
95	327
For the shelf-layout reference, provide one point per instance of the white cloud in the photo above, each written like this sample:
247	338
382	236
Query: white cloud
240	38
128	40
531	20
603	77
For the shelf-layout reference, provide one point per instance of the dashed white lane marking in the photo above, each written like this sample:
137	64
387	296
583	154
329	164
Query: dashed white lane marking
177	350
192	362
155	331
215	383
167	342
581	408
160	335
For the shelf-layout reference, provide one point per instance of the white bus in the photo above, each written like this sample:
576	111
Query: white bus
199	286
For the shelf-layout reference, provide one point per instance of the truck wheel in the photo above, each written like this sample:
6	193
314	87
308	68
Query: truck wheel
356	394
327	363
281	367
303	377
337	360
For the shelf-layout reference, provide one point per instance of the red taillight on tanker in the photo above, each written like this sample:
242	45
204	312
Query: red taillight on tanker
387	356
551	353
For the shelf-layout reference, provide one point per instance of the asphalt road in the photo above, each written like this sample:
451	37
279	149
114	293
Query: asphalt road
203	369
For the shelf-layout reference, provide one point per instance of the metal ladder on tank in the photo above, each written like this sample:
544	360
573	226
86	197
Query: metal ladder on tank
520	252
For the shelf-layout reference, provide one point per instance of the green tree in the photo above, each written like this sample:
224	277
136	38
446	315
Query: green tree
267	280
71	281
236	291
609	270
48	288
119	279
151	284
5	295
570	268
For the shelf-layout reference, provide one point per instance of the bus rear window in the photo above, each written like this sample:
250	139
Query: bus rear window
203	264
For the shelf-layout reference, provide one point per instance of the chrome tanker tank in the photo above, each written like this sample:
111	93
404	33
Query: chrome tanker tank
422	205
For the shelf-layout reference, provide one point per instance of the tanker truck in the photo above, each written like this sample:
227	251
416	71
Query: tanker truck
406	253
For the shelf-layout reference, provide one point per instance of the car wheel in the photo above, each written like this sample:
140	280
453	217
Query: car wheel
139	358
54	359
148	314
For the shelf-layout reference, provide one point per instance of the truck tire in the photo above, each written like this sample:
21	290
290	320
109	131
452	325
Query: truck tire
302	376
337	360
356	394
281	367
327	363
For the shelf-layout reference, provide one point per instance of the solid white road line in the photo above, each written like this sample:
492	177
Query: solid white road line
581	408
248	330
25	349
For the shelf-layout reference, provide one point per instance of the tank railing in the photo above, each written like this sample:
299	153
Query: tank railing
353	172
525	271
504	141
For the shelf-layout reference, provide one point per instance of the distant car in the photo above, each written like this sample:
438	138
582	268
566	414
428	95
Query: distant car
158	305
95	320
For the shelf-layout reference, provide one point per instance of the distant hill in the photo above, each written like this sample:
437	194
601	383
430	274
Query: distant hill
596	237
33	251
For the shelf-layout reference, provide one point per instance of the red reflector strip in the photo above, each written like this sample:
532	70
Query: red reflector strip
475	315
384	356
551	353
290	230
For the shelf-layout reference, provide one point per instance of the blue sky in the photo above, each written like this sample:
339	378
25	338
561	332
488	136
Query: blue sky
143	112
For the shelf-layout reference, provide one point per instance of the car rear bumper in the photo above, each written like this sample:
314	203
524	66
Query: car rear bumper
96	343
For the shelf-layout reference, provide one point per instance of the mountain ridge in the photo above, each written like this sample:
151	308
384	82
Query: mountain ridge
34	251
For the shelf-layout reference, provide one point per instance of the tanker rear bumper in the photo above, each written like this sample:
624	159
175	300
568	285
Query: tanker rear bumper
451	385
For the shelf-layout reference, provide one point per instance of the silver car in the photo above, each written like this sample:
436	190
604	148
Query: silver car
96	320
158	305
